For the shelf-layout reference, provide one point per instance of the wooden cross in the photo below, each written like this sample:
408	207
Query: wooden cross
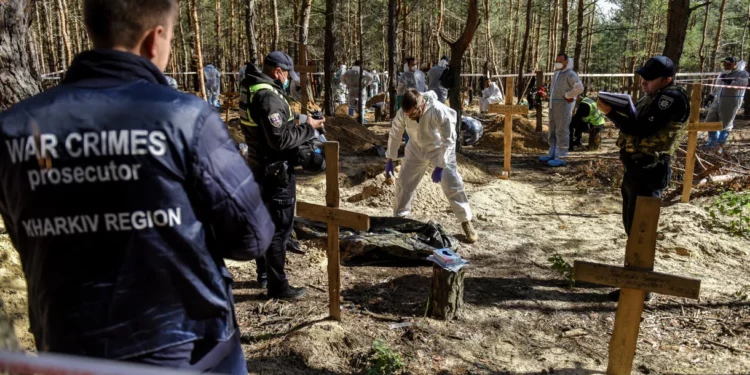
694	127
303	69
635	279
333	216
508	110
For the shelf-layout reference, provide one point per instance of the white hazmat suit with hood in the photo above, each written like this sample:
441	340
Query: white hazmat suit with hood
375	85
490	95
565	85
432	141
213	84
406	80
727	102
351	80
339	88
434	80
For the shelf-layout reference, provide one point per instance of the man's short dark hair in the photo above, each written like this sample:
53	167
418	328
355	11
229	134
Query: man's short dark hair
358	63
563	54
410	59
113	23
411	99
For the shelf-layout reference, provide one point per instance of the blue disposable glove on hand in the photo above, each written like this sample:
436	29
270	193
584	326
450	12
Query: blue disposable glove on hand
437	175
389	170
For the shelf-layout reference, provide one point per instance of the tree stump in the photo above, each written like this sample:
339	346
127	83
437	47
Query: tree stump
446	293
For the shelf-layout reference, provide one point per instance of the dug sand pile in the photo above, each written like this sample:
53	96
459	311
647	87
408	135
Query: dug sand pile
14	298
525	136
353	138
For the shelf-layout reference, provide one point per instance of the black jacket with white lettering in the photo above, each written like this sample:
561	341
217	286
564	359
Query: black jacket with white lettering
123	226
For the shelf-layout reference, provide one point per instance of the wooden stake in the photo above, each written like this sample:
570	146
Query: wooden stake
639	263
693	128
508	110
333	216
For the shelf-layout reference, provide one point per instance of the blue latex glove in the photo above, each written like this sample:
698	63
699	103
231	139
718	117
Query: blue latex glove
389	170
437	175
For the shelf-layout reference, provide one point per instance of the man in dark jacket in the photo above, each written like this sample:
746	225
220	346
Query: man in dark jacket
273	139
122	197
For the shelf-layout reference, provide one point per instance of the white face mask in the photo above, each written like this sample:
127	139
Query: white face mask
558	66
727	71
414	68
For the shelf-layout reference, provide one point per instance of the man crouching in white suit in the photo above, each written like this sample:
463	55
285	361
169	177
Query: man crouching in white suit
431	126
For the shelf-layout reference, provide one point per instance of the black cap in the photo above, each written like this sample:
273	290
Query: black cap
657	66
730	59
281	60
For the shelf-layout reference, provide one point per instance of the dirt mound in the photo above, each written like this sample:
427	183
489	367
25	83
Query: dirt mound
323	346
353	138
525	136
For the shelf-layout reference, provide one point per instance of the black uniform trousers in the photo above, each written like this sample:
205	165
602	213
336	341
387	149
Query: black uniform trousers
280	200
642	178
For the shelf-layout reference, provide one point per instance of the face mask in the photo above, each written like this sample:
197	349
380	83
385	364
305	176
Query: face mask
286	85
414	68
727	71
558	66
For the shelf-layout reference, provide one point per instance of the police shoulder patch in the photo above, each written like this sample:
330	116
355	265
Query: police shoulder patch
275	120
665	102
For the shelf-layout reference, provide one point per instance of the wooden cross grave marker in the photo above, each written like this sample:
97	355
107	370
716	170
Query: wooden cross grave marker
635	279
333	216
508	110
694	126
303	69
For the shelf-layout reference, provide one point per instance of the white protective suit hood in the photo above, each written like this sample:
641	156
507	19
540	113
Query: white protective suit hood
443	63
433	138
570	65
406	68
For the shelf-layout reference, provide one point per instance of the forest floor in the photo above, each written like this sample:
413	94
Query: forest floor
520	316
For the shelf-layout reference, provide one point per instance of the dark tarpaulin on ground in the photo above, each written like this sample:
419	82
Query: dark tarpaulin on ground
404	238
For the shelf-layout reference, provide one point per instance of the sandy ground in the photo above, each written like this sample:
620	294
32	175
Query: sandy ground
519	315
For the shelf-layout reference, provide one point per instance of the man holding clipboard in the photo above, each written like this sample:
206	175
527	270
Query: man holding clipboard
649	133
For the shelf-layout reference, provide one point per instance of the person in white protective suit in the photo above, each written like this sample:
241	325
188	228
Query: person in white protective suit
375	85
406	80
432	127
339	88
726	101
565	88
357	99
213	84
421	78
490	95
433	77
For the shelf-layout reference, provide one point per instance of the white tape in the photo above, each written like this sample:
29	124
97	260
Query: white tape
727	87
58	364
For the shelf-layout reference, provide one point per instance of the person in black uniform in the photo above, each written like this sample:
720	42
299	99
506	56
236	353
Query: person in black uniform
273	139
648	141
125	260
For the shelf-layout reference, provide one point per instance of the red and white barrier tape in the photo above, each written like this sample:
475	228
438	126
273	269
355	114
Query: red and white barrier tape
727	87
57	364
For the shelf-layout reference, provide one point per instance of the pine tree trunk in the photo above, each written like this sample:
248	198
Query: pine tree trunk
185	53
362	63
275	35
579	37
677	25
553	32
717	39
590	32
218	55
303	35
458	48
252	41
39	38
17	80
701	54
330	55
523	54
232	54
198	49
62	14
565	27
393	55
